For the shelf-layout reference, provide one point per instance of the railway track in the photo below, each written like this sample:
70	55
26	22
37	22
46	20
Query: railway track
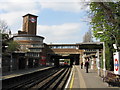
57	80
51	78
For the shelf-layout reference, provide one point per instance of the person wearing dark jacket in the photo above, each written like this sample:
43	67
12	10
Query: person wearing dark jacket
81	65
87	66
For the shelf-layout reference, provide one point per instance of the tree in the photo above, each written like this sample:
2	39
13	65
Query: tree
3	29
4	37
87	37
3	26
13	46
106	17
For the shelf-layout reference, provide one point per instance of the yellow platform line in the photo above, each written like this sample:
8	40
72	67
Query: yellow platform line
72	79
71	83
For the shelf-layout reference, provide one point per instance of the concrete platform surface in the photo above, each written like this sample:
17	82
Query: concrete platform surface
91	80
21	72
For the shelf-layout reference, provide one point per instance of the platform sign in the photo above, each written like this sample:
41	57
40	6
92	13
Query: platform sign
117	63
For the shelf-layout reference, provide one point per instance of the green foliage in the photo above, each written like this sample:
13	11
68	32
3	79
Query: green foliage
5	37
101	62
105	17
13	46
107	58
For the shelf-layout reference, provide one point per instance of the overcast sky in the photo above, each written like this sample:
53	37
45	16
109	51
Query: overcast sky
59	21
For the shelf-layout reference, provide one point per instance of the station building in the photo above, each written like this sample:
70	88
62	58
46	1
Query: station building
31	45
34	52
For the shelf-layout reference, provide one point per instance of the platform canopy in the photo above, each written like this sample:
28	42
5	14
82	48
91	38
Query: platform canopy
86	45
91	45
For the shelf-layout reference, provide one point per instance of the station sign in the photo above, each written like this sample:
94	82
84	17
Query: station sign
32	19
117	63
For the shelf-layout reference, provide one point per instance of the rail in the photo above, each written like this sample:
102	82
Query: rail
51	78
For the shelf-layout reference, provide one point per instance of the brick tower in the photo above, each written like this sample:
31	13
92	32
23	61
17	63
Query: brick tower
30	24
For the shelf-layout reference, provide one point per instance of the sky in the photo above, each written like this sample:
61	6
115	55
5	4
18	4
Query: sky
59	21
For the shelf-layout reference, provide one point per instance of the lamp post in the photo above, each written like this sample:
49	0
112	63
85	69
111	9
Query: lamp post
115	47
116	43
98	62
104	66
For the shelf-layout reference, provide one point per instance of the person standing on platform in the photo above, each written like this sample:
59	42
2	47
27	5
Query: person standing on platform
81	65
86	66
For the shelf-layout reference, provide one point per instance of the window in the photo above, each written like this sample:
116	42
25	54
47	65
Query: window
29	38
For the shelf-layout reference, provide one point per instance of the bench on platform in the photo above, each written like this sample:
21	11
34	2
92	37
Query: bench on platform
112	79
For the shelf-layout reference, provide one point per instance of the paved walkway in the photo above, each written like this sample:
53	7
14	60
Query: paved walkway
81	79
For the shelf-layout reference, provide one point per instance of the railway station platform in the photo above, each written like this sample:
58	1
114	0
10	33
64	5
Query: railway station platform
22	72
81	79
